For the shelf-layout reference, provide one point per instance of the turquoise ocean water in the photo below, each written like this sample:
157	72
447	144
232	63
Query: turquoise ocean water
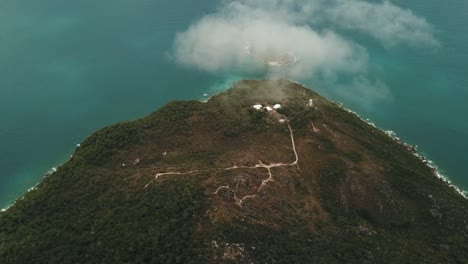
69	68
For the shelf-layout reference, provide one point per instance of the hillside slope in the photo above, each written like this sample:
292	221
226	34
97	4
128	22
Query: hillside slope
222	182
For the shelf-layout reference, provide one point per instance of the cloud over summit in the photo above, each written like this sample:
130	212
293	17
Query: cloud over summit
385	22
312	29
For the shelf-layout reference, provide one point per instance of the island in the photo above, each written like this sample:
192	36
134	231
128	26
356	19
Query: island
266	172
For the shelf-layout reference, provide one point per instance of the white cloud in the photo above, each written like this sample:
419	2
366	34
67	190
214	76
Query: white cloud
218	41
365	92
310	29
386	22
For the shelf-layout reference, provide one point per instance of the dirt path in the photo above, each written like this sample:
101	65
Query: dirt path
268	167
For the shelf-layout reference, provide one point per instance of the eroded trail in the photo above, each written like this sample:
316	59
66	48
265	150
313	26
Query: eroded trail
268	167
293	146
171	173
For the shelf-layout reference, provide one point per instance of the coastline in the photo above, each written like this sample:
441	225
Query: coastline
391	134
34	187
414	150
411	148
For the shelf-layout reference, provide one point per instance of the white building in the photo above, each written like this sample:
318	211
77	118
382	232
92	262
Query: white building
258	106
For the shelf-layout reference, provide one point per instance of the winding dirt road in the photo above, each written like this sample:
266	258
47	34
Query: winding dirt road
268	167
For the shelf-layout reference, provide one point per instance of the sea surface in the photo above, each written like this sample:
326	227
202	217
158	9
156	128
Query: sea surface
68	68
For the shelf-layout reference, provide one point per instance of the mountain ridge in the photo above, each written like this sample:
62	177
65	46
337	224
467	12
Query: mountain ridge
224	182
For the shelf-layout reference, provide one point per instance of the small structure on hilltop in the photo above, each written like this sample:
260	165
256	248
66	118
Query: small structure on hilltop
311	102
258	106
277	106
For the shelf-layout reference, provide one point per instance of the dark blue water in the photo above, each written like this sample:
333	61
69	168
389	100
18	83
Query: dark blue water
69	68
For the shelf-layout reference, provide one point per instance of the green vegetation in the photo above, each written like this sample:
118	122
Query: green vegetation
357	196
101	146
156	225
